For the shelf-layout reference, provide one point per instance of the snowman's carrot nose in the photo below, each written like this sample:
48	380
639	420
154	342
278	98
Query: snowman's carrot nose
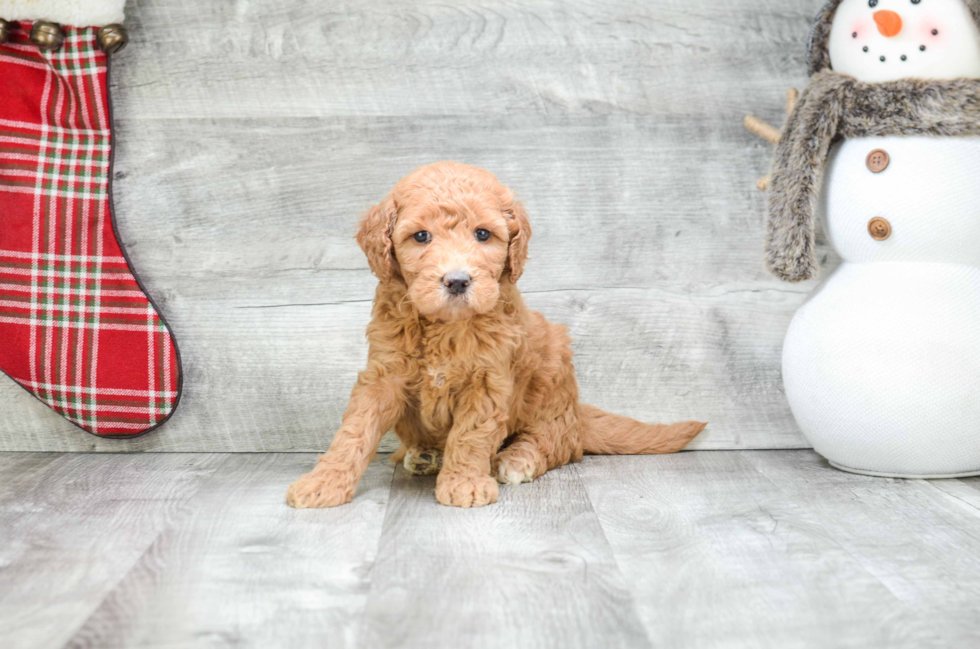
889	23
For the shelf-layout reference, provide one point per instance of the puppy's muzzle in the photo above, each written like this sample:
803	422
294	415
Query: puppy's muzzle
457	283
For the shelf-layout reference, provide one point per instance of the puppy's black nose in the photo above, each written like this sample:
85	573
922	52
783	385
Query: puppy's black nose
457	282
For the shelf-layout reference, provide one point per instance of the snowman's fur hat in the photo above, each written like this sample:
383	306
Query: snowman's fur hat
835	106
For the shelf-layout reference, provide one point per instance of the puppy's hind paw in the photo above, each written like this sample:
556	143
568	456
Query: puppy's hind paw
517	464
513	469
423	461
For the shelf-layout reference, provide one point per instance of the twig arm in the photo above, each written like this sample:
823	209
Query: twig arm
771	133
792	97
762	129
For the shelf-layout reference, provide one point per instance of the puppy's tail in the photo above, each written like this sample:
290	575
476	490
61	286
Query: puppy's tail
603	433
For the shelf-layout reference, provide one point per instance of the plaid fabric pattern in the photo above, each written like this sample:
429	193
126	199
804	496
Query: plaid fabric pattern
76	329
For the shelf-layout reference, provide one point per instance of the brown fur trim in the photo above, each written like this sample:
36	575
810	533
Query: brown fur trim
835	106
817	45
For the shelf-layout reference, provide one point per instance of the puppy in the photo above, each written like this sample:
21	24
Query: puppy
478	388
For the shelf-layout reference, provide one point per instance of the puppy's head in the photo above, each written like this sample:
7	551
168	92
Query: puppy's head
452	233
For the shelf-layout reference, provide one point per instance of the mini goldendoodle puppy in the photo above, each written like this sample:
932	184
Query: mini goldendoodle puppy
478	388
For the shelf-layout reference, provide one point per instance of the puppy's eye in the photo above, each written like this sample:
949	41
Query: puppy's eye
482	235
422	236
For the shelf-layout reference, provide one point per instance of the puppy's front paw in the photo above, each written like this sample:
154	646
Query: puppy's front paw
423	461
515	467
321	488
456	490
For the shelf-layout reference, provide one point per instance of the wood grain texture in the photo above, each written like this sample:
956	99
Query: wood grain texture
777	549
533	570
964	490
71	526
245	570
708	549
252	134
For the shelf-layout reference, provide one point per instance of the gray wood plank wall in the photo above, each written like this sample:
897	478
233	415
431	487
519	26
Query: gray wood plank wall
252	134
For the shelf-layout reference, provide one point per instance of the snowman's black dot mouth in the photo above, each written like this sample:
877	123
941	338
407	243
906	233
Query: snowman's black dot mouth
882	59
865	48
922	48
905	58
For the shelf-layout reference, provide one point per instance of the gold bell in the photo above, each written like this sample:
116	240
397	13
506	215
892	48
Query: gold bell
47	35
4	31
112	38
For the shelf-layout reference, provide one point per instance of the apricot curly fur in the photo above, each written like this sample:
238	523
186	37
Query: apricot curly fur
478	377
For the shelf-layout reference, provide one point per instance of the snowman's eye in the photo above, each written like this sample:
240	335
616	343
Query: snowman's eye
915	2
872	3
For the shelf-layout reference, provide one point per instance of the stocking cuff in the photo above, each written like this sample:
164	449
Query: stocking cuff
77	13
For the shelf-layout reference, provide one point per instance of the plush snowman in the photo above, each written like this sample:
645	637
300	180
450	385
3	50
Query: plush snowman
881	365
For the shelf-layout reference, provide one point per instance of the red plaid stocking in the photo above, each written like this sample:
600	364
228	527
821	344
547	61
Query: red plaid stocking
76	328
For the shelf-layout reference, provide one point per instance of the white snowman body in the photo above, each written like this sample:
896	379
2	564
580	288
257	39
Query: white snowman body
881	365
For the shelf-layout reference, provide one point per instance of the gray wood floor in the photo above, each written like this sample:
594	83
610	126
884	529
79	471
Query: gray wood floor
701	549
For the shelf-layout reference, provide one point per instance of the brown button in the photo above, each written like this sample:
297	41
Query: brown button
877	161
879	228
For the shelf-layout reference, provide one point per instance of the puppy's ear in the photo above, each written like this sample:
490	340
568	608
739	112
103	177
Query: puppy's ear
520	233
374	237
